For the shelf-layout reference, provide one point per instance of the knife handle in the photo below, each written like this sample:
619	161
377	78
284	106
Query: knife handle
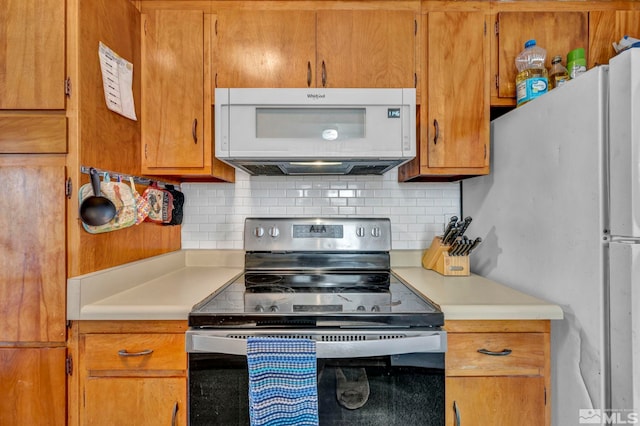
475	244
449	226
465	225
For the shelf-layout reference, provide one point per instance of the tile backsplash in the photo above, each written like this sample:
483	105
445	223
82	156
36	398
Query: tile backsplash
214	213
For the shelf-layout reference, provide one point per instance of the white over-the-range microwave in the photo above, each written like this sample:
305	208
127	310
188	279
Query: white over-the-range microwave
315	131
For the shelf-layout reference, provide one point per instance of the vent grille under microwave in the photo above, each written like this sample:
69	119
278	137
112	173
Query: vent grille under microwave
329	167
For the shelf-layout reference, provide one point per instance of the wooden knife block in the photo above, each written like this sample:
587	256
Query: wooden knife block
437	259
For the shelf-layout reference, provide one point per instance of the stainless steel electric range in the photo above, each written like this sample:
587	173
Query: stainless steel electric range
330	280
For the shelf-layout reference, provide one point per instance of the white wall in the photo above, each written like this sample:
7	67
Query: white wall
214	212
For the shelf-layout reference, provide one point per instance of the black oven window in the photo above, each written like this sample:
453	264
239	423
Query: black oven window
351	392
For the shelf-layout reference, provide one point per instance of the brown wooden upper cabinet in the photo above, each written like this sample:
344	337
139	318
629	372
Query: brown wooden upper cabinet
265	48
557	32
454	118
607	26
176	122
173	88
32	77
328	48
33	44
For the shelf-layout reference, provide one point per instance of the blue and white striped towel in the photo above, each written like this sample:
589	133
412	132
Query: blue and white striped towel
283	388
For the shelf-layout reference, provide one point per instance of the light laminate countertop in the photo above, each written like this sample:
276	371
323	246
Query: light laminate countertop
166	287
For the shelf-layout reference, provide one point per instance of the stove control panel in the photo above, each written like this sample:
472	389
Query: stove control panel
317	234
317	302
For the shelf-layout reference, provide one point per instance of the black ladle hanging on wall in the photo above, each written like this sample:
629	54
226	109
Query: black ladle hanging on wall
96	210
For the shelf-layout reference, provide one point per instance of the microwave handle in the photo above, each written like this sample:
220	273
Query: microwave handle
435	342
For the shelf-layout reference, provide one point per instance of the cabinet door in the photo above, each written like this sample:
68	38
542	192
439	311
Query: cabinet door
608	26
32	385
172	89
373	48
32	253
495	401
456	132
557	32
32	54
136	401
265	48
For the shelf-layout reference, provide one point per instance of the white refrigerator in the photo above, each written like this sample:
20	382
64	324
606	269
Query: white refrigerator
559	216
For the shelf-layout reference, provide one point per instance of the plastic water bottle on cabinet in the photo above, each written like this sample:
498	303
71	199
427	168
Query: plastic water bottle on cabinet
532	79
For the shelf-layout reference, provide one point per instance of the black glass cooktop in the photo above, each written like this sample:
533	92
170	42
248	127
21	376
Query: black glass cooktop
351	299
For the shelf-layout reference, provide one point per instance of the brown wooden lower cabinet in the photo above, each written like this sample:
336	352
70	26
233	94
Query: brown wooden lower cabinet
32	386
498	373
135	401
495	401
135	373
32	272
128	373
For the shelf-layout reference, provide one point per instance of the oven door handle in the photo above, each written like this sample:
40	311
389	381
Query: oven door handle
435	342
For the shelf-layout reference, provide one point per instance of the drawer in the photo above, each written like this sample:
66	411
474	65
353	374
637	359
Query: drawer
33	133
138	352
491	354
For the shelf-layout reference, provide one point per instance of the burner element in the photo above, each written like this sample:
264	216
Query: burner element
345	281
259	279
317	292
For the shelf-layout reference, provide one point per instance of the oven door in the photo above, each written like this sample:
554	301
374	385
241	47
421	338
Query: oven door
365	377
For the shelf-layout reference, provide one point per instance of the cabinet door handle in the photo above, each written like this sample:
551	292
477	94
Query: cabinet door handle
174	414
436	127
124	352
309	75
194	127
503	352
324	75
456	412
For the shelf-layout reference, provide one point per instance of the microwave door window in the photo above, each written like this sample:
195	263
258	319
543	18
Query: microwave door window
311	124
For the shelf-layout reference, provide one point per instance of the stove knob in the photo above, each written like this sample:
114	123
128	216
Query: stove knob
361	308
274	308
258	232
274	231
259	308
375	308
360	231
375	231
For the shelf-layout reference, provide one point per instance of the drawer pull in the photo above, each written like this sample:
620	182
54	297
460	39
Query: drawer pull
324	75
124	352
174	414
456	412
503	352
194	128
